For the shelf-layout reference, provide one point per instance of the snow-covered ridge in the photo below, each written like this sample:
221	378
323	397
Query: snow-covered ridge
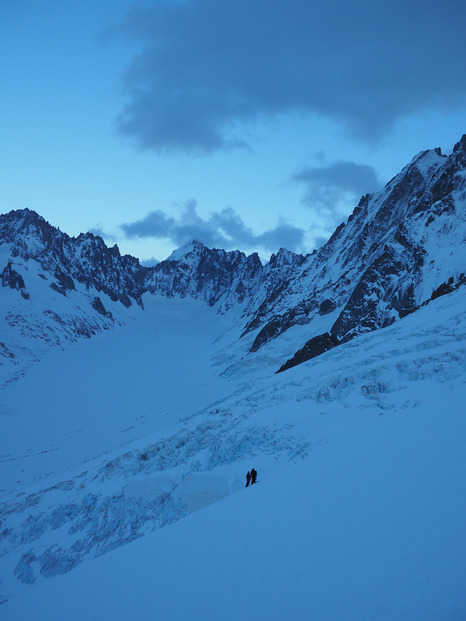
398	247
58	289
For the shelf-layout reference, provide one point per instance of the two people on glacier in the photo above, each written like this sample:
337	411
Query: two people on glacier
251	477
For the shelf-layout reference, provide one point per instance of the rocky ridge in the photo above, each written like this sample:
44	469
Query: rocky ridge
398	249
64	288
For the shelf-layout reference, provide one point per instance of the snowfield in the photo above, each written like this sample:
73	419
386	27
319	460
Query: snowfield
123	463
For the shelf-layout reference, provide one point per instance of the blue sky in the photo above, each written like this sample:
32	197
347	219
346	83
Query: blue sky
246	124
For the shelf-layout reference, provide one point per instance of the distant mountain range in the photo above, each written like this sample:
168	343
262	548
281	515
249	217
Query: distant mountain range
400	248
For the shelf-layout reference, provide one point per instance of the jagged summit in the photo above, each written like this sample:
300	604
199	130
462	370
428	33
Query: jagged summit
187	248
398	247
213	275
62	288
284	257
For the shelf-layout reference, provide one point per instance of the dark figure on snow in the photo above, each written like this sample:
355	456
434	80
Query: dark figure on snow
248	478
253	476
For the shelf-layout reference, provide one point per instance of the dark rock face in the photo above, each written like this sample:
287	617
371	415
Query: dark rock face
375	296
279	324
274	328
276	278
100	308
448	287
63	282
326	307
14	280
11	279
313	348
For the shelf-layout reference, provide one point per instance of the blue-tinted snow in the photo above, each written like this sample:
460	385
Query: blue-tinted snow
360	509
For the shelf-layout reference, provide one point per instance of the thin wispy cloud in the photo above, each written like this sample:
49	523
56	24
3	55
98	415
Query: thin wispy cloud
208	68
224	229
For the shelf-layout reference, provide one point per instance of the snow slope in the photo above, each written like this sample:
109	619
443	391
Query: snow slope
103	393
360	509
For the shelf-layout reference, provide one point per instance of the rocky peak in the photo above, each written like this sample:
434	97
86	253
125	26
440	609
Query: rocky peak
12	279
85	259
397	247
460	146
189	249
208	274
285	259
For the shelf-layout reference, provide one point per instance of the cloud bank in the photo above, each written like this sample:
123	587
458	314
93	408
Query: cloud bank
207	68
223	229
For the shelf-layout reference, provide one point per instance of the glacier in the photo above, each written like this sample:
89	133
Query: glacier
134	400
358	512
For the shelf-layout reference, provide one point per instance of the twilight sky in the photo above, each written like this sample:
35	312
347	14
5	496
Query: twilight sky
249	124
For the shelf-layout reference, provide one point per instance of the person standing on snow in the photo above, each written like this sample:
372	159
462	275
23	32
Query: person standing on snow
253	476
248	478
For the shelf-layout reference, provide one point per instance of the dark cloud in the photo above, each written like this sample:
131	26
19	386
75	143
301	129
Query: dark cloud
282	236
155	224
207	67
224	229
328	185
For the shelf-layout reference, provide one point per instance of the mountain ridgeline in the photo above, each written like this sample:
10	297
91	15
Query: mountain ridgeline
400	248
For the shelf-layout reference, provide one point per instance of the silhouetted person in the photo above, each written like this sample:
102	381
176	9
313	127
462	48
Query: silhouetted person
253	476
248	478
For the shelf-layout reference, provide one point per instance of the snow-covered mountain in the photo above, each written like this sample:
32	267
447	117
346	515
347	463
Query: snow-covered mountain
399	248
134	397
58	289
